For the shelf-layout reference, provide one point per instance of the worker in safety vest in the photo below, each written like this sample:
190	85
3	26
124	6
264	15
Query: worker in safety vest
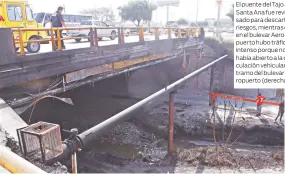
259	101
281	111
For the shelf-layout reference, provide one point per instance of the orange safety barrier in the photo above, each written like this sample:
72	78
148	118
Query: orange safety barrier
214	95
56	38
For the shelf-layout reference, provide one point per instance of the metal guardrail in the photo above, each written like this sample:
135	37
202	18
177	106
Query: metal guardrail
93	36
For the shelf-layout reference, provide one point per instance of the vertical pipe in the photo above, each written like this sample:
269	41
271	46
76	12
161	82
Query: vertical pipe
58	40
22	49
171	122
211	84
74	163
197	77
169	33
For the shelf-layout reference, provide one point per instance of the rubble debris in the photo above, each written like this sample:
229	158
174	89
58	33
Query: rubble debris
222	156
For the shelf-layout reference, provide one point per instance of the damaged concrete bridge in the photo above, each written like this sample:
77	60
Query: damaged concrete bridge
38	87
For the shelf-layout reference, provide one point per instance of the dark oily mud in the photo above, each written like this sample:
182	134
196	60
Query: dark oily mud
140	144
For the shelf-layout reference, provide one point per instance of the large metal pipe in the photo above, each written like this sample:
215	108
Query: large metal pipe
171	122
89	135
15	163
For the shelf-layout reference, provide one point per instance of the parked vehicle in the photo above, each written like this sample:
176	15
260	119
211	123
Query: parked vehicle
127	31
18	14
101	33
71	20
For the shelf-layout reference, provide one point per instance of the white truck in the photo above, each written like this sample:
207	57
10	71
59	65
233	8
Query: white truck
109	33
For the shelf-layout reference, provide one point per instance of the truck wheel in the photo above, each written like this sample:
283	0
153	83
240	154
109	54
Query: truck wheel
78	40
33	47
100	38
88	37
113	35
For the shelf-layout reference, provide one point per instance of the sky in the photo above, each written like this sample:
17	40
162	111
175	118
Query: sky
186	9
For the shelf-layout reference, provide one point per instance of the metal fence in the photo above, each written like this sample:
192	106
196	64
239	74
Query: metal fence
55	36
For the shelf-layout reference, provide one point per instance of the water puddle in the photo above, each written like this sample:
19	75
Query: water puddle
127	151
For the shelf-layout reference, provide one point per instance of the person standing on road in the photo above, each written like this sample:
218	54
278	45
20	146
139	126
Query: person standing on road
259	101
58	22
281	111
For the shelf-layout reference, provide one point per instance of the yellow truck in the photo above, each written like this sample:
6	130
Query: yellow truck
18	14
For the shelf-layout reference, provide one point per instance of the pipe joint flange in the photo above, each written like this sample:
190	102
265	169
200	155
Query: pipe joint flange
73	144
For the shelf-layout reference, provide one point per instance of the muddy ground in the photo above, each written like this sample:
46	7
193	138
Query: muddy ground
140	144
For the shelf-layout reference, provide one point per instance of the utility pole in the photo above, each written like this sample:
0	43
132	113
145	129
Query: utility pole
197	14
64	8
167	8
218	18
150	19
